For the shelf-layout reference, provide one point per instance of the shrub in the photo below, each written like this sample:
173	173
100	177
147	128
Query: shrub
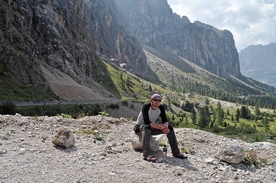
98	136
259	138
132	106
188	151
80	115
251	159
65	115
247	129
216	129
229	130
113	106
103	113
124	103
8	108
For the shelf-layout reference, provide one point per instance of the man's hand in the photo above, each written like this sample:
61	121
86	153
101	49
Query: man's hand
166	124
165	128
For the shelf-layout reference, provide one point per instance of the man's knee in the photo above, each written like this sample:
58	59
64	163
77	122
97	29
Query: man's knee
146	131
137	129
140	128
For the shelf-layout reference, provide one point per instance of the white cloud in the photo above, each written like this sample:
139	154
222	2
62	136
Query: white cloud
250	21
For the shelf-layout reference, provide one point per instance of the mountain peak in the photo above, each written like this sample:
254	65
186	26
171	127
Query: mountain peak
258	62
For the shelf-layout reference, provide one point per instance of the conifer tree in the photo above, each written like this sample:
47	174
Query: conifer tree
193	116
266	123
204	117
257	110
219	114
237	114
201	120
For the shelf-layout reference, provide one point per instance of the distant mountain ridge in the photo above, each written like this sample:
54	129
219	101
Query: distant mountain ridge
259	63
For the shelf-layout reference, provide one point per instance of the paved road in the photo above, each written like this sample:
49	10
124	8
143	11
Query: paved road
55	102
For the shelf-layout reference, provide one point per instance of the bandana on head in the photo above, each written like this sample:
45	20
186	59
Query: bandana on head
156	96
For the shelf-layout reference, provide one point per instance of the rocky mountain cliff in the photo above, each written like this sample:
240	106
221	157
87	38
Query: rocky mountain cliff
258	62
57	44
64	37
154	24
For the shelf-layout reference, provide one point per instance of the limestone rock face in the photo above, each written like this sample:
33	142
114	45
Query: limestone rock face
154	24
67	36
64	138
232	154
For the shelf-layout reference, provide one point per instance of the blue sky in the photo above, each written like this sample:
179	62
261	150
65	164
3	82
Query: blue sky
251	22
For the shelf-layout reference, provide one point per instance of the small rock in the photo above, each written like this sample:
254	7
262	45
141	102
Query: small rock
211	161
231	154
2	151
64	138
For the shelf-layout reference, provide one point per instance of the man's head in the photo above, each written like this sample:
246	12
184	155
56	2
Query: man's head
156	96
155	100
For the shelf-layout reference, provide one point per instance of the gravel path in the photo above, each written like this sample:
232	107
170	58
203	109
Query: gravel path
28	155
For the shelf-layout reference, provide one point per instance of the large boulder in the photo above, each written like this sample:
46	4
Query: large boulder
231	154
64	138
137	144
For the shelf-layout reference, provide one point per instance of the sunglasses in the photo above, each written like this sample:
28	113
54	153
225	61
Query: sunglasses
156	100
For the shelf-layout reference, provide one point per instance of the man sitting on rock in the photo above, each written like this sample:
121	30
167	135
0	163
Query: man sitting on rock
147	124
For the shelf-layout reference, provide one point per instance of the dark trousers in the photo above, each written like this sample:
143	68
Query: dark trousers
147	131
